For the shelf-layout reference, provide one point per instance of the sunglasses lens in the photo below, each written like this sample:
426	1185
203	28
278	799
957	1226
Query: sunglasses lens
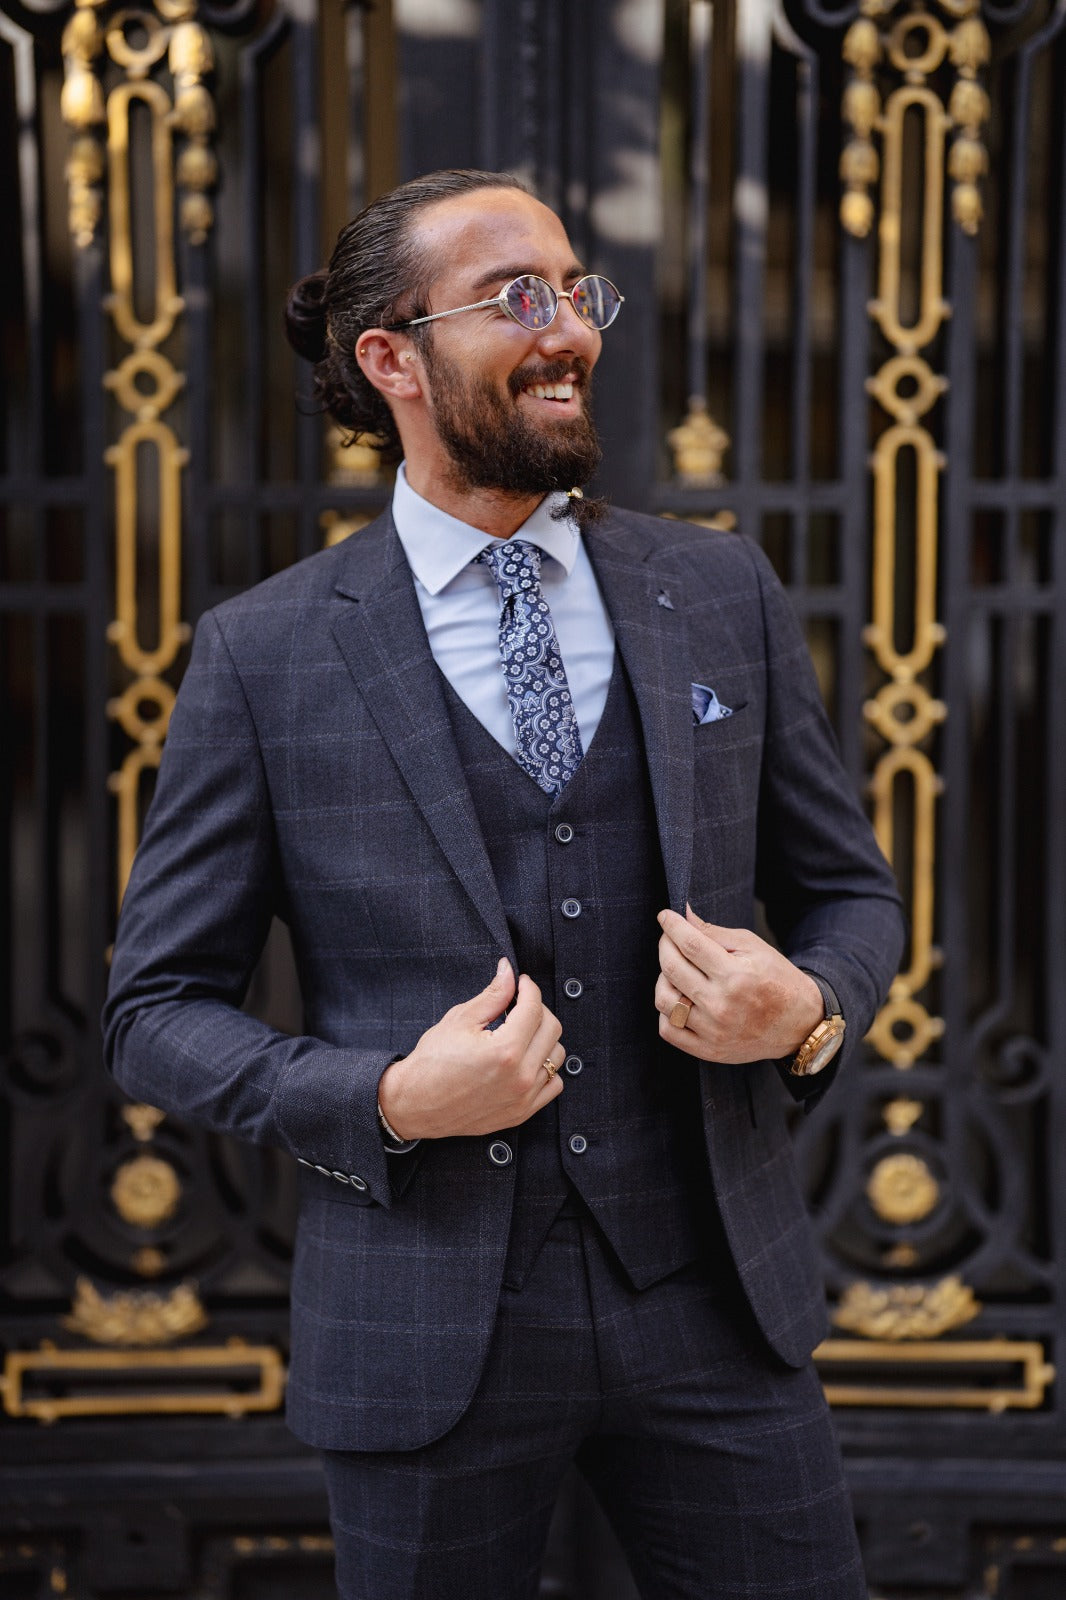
596	301
531	301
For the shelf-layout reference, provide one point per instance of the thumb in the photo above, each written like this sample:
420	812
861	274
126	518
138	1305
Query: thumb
496	995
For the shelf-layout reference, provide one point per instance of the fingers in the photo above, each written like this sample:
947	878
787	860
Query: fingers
494	998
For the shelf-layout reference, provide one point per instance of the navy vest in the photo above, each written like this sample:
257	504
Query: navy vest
581	880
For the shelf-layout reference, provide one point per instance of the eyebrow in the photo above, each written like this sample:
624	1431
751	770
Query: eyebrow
505	274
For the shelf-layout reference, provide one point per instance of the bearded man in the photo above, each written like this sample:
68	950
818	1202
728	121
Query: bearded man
516	775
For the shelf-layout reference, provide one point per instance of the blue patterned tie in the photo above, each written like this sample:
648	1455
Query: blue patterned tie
545	724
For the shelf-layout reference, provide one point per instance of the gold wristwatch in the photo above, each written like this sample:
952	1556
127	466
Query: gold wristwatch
823	1042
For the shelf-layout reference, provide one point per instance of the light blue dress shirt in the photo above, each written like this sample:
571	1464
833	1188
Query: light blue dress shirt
460	606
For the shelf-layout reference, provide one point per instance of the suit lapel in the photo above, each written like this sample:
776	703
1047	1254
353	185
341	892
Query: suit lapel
652	639
378	626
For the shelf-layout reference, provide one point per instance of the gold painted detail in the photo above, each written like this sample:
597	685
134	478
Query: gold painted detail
142	1120
905	634
135	1317
138	39
148	1261
915	44
230	1380
902	1189
354	462
906	1310
698	444
147	458
901	1114
146	1191
958	1374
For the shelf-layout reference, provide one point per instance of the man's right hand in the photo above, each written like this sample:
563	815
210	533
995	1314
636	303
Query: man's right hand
464	1078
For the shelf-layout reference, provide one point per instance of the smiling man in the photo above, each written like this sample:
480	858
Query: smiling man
516	770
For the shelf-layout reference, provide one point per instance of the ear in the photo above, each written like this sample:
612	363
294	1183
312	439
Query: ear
389	361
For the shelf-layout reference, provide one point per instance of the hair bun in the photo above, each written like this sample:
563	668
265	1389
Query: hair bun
305	316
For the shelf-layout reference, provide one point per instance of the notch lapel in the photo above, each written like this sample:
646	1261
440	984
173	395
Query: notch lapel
653	641
379	629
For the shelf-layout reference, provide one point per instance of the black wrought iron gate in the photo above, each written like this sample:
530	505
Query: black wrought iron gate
842	238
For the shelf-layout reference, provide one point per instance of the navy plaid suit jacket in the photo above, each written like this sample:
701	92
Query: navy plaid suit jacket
310	773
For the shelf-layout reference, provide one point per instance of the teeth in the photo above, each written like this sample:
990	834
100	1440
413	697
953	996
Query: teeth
551	391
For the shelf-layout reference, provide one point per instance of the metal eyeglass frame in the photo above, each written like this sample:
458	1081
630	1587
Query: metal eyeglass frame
500	301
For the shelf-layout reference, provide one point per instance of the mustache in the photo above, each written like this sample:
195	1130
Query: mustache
549	372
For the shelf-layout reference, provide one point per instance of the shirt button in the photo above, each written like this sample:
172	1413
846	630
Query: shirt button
564	832
578	1143
573	988
571	908
500	1154
573	1065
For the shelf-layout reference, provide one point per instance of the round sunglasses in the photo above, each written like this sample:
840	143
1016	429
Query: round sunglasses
532	302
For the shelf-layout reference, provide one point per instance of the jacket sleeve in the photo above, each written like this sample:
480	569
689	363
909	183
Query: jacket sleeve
828	892
204	887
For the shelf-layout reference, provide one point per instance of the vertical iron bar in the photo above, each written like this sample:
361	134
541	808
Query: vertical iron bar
701	41
750	201
306	254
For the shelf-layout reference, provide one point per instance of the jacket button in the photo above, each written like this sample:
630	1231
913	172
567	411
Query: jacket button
564	832
578	1143
500	1154
356	1181
573	988
571	908
573	1065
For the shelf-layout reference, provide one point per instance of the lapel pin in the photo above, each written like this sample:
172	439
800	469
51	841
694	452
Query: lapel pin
664	600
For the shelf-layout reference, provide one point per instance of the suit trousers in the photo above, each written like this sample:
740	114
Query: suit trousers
715	1463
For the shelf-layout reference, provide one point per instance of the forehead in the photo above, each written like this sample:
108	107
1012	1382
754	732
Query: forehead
467	235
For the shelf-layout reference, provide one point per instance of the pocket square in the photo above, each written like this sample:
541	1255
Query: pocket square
706	706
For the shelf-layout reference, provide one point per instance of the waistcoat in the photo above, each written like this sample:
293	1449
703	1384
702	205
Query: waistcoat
581	878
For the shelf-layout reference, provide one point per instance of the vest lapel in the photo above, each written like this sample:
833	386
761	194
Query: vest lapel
653	642
378	626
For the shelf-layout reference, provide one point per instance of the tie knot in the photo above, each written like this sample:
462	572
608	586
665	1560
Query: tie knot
515	566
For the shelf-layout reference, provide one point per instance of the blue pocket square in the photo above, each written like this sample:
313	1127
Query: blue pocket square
706	706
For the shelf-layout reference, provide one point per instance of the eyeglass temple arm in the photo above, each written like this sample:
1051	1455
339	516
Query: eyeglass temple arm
478	305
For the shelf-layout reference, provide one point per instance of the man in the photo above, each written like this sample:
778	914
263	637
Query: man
515	792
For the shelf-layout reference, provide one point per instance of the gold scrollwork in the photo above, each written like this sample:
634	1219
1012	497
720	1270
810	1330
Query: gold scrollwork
905	633
134	1318
146	1191
946	1364
915	45
698	445
906	1310
199	1381
902	1189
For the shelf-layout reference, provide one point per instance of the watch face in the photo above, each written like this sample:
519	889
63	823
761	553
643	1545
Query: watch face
820	1048
825	1053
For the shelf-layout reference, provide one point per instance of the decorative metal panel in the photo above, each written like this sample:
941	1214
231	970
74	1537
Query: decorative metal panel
839	229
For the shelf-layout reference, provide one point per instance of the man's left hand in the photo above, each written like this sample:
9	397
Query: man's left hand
749	1003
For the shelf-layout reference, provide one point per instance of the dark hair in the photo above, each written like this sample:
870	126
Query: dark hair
378	274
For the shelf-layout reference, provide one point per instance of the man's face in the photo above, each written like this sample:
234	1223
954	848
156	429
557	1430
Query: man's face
484	370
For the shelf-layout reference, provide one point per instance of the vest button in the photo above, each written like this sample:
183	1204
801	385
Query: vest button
573	988
573	1065
500	1154
571	908
564	832
578	1143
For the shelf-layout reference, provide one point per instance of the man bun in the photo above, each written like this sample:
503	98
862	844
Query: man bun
305	316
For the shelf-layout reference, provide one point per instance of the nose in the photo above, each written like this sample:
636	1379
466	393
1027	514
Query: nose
566	333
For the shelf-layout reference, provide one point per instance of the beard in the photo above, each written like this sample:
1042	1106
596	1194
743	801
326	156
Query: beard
493	446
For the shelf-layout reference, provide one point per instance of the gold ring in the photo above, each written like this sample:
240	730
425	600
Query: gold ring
550	1068
679	1014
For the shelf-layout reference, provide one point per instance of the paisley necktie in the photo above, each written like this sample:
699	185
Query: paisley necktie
545	724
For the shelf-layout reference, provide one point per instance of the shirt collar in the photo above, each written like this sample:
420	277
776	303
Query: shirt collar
438	546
